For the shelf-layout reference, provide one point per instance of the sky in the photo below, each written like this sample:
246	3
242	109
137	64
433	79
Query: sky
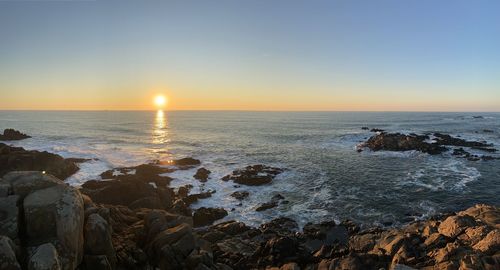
339	55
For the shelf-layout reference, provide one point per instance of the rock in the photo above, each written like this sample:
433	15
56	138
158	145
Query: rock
490	243
202	174
206	216
45	257
445	139
271	204
402	142
455	225
253	175
19	159
170	247
281	226
55	215
240	195
192	198
12	135
8	258
98	241
25	182
97	262
143	171
186	162
364	128
376	130
290	266
4	189
9	216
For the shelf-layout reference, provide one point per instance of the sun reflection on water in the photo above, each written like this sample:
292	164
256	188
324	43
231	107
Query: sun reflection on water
160	129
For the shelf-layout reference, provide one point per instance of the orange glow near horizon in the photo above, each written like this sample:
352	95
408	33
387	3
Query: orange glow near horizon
160	101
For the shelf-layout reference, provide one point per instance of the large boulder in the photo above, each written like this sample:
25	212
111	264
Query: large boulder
44	257
8	258
19	159
455	225
97	234
206	216
12	135
56	215
9	216
202	174
253	175
23	183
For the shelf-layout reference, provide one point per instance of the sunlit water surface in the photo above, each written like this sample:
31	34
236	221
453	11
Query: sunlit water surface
325	177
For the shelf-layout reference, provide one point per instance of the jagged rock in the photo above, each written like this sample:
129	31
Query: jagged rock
253	175
9	216
45	257
271	204
170	247
445	139
455	225
240	195
19	159
12	135
186	162
98	241
202	174
490	243
402	142
205	216
55	214
8	258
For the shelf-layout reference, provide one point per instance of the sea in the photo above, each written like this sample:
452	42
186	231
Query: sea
325	178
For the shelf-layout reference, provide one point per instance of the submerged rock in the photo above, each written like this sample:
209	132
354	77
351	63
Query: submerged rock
12	135
240	195
253	175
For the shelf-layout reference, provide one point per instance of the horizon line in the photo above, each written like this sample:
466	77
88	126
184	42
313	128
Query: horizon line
236	110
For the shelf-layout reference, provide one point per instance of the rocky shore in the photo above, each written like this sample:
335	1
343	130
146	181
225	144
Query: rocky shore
133	219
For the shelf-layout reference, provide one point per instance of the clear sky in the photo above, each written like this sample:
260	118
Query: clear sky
251	55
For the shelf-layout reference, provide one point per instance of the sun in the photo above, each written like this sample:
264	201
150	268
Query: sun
160	101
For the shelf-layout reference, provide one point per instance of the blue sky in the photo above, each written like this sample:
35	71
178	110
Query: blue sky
256	55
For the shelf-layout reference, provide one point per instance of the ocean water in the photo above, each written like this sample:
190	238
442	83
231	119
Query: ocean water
325	177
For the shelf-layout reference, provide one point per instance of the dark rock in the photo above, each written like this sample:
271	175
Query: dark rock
195	197
240	195
402	142
202	174
12	135
186	162
271	204
206	216
488	131
376	130
445	139
365	128
19	159
253	175
78	160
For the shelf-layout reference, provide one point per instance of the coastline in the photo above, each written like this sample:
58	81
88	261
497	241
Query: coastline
135	220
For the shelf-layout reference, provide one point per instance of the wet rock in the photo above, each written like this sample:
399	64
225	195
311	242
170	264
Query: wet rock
240	195
271	204
364	128
376	130
78	160
253	175
12	135
402	142
19	159
205	216
192	198
45	257
186	162
445	139
8	258
202	174
280	226
97	262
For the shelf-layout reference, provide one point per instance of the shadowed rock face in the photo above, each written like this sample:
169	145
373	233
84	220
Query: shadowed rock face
12	135
253	175
19	159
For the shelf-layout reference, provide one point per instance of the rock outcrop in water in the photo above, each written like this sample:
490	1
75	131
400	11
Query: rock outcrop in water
134	220
403	142
19	159
12	135
253	175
